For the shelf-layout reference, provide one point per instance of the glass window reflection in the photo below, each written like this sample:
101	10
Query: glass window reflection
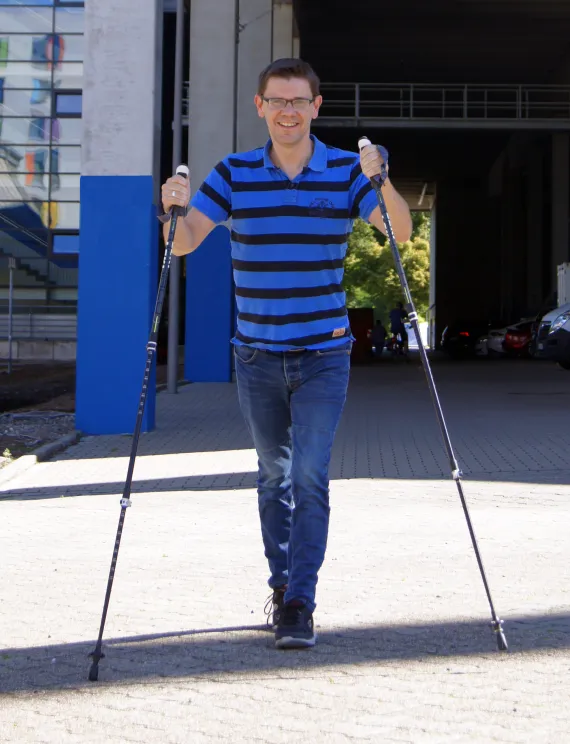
41	77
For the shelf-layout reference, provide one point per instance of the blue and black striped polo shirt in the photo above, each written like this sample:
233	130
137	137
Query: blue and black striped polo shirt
289	240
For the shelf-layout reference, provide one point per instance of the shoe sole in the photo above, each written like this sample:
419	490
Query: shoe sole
292	642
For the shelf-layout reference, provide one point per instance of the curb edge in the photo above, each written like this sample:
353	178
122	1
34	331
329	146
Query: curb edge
43	453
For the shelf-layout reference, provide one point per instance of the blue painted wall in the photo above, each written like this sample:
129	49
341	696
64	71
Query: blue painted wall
209	310
118	264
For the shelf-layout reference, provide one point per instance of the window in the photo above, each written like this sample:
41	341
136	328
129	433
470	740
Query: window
3	52
68	103
41	91
65	243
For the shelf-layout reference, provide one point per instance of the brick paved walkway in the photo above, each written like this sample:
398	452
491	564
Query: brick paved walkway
404	654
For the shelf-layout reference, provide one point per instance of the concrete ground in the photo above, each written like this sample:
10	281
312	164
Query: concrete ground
405	652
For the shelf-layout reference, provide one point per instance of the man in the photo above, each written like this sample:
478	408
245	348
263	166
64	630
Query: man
292	204
397	327
378	338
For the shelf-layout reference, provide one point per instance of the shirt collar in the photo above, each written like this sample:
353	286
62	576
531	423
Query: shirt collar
318	161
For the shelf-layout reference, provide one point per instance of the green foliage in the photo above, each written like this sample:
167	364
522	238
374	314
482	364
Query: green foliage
370	278
421	222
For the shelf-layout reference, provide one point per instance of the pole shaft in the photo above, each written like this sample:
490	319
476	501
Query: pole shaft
174	296
434	395
151	351
10	317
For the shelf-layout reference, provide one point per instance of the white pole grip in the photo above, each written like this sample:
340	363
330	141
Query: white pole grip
363	142
183	170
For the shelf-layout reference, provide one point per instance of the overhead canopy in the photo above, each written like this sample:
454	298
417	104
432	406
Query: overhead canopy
501	41
488	42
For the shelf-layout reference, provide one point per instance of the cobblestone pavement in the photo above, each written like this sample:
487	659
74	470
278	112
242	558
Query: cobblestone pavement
405	653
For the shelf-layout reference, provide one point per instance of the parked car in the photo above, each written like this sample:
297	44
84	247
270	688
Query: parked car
553	338
481	346
496	340
459	339
490	344
518	337
471	338
533	346
562	338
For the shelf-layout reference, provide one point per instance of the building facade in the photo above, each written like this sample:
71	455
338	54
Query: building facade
82	118
41	80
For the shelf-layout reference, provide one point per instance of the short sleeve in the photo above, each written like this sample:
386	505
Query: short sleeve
214	197
362	197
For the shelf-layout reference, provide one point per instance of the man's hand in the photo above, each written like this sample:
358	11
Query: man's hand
371	161
176	193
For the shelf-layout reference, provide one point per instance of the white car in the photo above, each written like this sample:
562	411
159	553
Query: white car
491	344
495	339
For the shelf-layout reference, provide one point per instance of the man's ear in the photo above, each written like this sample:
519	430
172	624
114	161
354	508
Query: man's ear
317	103
259	106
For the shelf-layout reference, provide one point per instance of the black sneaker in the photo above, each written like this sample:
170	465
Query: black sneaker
274	606
295	629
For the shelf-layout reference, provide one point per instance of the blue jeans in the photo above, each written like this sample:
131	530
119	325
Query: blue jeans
292	403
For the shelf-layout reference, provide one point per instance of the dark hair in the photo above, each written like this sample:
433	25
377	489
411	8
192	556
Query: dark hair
289	68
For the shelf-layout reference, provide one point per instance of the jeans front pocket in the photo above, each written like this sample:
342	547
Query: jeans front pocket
246	354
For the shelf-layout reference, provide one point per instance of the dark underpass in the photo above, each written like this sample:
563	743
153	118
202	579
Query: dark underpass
472	99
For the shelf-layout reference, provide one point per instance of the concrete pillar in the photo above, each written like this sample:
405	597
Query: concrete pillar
119	230
560	202
212	135
283	29
535	230
212	84
222	119
255	42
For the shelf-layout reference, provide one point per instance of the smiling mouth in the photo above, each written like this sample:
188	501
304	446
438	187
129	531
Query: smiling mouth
288	125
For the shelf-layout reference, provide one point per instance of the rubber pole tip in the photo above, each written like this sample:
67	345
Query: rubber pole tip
183	170
502	641
94	672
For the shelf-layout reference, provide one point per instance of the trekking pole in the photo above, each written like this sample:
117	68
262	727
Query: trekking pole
98	654
497	623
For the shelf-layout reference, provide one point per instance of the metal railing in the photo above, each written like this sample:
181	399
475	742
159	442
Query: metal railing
36	272
459	102
39	322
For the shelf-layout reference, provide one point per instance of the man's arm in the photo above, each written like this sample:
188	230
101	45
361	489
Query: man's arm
211	205
191	231
399	213
372	164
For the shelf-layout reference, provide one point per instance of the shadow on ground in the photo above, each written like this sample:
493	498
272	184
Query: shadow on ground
220	482
249	650
248	480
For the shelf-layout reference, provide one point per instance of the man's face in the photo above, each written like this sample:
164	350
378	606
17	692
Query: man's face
288	125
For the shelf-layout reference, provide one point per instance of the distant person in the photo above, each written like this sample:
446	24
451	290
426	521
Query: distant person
378	338
397	317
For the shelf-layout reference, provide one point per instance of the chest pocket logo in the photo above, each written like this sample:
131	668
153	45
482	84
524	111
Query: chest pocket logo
321	208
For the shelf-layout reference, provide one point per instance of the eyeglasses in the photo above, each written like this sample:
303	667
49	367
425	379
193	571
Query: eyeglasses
278	104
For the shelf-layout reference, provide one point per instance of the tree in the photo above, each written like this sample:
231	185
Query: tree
421	221
370	278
